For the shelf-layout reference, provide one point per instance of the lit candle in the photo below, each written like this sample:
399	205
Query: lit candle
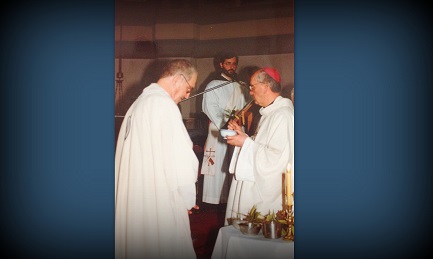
289	185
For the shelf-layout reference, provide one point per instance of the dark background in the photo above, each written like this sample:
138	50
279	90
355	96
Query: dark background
363	76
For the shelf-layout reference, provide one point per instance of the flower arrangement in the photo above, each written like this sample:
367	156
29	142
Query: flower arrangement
252	223
270	217
254	216
272	226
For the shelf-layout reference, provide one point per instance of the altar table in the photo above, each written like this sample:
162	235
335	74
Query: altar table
231	243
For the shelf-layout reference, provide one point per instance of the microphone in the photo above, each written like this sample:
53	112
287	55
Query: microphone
215	87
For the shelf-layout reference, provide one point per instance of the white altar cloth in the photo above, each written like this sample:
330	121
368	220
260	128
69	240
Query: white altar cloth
231	243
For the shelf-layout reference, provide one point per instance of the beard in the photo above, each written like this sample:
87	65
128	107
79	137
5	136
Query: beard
230	72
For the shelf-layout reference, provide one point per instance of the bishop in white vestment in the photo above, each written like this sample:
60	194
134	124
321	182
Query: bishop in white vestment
259	162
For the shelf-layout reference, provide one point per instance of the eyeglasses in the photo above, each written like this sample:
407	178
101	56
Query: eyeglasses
252	86
189	86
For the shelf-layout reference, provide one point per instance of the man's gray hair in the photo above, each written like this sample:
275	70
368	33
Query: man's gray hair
181	66
263	77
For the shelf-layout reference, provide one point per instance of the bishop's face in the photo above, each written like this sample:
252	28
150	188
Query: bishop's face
229	66
258	90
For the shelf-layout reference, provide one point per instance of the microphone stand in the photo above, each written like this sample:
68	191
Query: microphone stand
208	90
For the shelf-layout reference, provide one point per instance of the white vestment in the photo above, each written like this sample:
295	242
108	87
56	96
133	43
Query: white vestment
155	175
260	163
215	159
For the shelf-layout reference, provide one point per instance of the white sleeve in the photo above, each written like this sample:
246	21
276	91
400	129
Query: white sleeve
245	162
188	195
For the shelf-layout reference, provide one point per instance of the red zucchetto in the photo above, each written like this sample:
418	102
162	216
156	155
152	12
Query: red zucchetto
272	72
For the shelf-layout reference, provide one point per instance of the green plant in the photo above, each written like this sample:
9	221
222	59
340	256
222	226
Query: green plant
231	114
270	217
254	216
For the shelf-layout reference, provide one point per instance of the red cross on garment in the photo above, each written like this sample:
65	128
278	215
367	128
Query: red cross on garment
211	153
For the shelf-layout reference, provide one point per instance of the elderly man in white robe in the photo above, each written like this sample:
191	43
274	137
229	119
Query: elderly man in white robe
216	104
156	171
259	161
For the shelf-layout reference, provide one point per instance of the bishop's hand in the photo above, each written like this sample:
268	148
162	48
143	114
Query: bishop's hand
240	138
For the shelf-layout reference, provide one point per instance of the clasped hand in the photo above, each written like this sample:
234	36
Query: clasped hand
196	208
240	138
